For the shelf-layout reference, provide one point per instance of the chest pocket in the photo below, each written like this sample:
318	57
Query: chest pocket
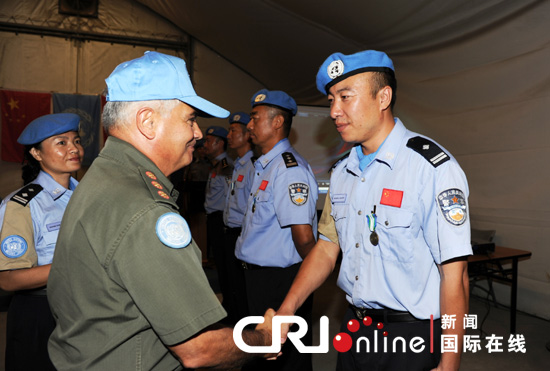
339	213
263	208
395	233
46	249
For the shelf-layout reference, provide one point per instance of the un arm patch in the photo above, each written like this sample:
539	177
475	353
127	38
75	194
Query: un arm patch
429	150
173	231
14	246
452	204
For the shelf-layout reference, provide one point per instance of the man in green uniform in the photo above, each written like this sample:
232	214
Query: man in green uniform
126	287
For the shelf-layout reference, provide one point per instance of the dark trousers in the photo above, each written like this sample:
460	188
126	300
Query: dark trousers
29	325
216	244
234	296
266	288
392	359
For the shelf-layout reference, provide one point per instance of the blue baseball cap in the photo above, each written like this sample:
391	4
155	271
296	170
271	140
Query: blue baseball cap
338	67
274	98
48	126
157	76
239	118
217	131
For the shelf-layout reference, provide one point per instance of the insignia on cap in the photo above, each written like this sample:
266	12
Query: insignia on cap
335	69
299	193
210	131
173	231
237	117
14	246
452	203
259	98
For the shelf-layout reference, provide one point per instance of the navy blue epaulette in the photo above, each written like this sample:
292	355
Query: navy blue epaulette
289	159
429	150
224	163
26	194
253	159
339	160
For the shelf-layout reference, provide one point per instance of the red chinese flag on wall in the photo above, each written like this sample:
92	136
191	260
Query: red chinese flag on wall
18	110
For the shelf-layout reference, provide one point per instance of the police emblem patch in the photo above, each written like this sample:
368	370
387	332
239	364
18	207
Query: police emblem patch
173	231
452	204
14	246
335	69
299	193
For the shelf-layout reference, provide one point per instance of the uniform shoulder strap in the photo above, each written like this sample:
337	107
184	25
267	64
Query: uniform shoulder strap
26	194
158	190
429	150
289	159
253	159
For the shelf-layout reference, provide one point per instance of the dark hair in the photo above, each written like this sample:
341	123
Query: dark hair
381	79
31	166
287	117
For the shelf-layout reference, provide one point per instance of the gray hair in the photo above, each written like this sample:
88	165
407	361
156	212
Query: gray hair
119	114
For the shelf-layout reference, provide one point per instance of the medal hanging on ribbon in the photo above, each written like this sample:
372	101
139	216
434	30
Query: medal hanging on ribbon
371	220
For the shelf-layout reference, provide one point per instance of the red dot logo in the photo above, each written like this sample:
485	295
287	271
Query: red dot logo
367	321
342	342
353	325
380	326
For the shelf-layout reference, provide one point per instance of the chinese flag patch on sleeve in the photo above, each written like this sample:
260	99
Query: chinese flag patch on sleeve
391	197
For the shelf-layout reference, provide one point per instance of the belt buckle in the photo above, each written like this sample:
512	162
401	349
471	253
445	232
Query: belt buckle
359	313
244	265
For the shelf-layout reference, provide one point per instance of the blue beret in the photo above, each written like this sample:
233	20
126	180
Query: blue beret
48	126
217	131
338	67
157	76
239	118
275	98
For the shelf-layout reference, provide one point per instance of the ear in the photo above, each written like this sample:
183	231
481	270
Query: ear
145	122
384	97
278	121
36	154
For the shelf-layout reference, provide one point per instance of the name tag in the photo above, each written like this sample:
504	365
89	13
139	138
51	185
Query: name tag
53	226
339	198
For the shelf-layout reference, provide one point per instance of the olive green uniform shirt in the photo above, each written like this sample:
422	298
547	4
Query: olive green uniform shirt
119	295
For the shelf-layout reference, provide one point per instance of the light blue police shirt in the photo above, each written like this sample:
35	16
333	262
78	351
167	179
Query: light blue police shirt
217	187
416	227
281	196
47	209
239	190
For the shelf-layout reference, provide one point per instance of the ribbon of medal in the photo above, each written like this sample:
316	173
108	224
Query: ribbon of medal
371	220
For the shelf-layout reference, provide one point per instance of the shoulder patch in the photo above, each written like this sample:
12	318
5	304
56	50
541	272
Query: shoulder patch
26	194
173	231
452	203
429	150
157	189
289	159
299	193
14	246
339	160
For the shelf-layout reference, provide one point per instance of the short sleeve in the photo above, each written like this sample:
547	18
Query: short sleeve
167	284
17	238
294	198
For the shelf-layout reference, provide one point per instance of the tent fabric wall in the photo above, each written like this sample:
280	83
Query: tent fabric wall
473	75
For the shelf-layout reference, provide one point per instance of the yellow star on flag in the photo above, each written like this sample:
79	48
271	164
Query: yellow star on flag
13	104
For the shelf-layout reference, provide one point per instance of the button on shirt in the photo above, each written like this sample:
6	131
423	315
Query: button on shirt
239	191
46	209
400	272
217	185
266	238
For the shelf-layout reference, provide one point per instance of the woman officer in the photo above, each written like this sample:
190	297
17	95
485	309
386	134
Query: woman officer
29	220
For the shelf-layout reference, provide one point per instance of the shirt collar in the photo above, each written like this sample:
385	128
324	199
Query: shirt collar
54	189
241	161
279	148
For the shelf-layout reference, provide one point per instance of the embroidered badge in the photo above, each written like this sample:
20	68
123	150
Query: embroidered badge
391	197
156	185
163	195
299	193
259	98
173	231
452	203
151	175
14	246
339	198
335	69
264	184
236	117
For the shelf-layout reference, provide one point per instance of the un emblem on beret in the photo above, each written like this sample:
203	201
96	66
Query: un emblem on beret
335	69
237	117
14	246
259	98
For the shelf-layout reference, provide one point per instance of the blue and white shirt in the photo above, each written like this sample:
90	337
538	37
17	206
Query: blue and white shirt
239	190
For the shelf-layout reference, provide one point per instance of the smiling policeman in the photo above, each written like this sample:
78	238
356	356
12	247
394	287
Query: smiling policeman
397	210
